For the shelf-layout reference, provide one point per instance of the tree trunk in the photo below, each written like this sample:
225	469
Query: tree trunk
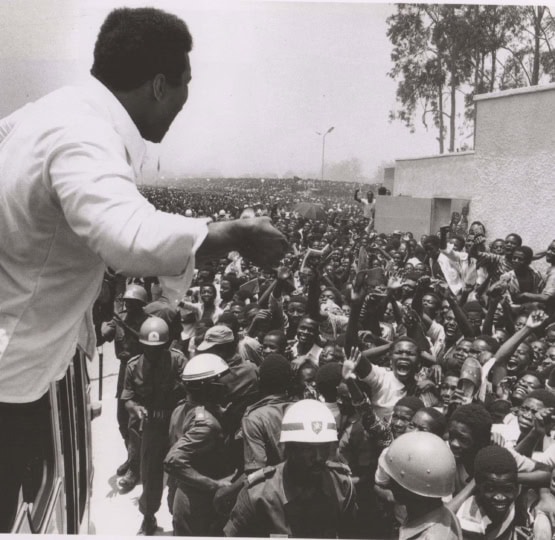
441	125
493	66
452	118
538	15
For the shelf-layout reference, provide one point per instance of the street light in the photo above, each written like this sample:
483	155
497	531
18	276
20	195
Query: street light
324	146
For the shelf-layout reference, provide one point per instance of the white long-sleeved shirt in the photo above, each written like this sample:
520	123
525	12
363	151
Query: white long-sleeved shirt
69	206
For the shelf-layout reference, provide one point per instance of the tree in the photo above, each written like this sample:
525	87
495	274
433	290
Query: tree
445	54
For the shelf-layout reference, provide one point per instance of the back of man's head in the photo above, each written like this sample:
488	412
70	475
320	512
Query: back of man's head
134	45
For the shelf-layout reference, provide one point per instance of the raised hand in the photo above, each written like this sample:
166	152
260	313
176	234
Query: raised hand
536	319
350	363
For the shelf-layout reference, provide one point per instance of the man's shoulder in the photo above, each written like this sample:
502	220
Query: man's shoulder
338	468
261	407
134	361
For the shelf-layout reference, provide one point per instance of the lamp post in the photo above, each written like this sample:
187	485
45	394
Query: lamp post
324	147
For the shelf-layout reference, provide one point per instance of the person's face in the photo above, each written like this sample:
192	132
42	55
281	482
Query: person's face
550	336
400	420
430	304
498	314
207	295
461	441
203	276
295	312
550	253
133	307
306	275
498	247
475	320
469	242
495	493
431	249
461	352
331	353
169	102
404	360
458	244
346	308
397	257
448	387
539	348
421	421
444	308
526	384
226	292
548	360
478	346
272	344
519	260
307	331
526	413
239	313
307	460
510	244
307	375
520	322
421	269
222	265
326	295
519	361
501	335
345	263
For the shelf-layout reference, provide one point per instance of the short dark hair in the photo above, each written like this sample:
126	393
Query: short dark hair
517	237
494	460
432	241
526	251
478	420
134	45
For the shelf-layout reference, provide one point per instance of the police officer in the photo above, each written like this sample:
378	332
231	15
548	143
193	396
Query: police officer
197	462
422	468
305	496
124	330
152	389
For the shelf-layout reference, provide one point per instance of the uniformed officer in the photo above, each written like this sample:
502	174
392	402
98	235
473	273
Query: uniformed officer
197	463
306	496
422	469
152	389
123	329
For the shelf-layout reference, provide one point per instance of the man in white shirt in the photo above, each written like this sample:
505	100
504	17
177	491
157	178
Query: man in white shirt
387	386
70	206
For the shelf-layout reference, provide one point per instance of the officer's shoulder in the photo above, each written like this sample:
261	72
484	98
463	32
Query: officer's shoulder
260	476
339	468
133	360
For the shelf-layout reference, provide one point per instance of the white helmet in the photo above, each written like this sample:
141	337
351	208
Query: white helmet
204	366
308	421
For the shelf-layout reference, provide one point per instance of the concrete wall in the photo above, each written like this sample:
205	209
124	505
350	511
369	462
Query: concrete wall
447	176
515	157
510	176
403	213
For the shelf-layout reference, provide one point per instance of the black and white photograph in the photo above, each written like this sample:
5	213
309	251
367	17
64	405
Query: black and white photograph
277	268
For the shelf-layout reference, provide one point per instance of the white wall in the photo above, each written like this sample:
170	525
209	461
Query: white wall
510	176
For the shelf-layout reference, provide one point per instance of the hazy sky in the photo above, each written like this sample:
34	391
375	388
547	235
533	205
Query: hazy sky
266	77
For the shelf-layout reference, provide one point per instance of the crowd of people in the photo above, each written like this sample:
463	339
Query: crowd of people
369	386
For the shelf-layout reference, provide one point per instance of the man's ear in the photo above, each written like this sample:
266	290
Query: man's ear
159	87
